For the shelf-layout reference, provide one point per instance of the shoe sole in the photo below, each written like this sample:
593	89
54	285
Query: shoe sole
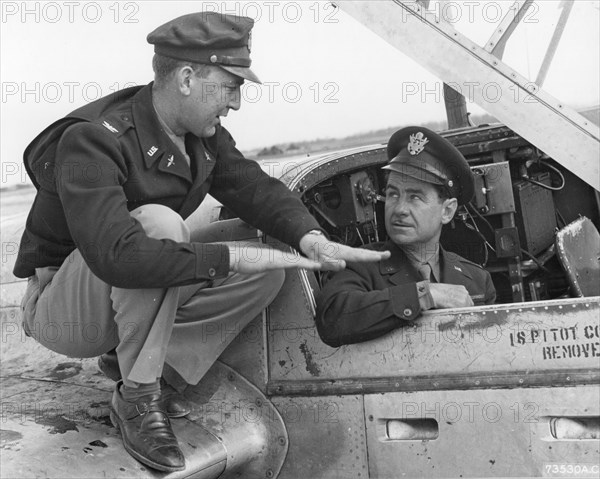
144	460
177	415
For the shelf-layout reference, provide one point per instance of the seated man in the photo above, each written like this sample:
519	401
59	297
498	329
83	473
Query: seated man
428	180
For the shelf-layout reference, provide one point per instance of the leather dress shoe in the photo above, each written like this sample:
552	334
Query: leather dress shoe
146	431
174	404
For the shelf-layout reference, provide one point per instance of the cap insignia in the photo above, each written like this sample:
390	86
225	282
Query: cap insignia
249	42
417	143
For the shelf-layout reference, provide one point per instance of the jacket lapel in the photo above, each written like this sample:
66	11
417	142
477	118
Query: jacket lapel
155	143
400	270
397	267
204	162
453	272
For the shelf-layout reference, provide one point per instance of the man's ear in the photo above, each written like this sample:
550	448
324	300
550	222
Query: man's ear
448	209
183	79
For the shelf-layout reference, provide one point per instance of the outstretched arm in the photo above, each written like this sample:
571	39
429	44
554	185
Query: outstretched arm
255	258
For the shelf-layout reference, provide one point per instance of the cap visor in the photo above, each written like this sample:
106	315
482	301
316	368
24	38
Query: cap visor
243	72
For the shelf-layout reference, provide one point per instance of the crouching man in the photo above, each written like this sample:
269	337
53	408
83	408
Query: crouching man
112	263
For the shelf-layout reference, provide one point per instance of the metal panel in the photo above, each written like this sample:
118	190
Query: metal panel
514	340
536	214
247	353
327	167
481	433
243	419
327	437
498	185
549	124
578	249
294	305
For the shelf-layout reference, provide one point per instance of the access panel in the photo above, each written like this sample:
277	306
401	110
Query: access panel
537	432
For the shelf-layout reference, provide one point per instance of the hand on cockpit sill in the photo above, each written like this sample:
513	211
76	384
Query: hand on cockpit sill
321	254
449	295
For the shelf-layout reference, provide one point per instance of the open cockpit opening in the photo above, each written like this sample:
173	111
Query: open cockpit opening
531	223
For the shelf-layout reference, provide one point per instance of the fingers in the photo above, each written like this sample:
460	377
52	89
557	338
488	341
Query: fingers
327	256
332	264
331	251
450	295
304	263
334	259
359	255
250	258
463	297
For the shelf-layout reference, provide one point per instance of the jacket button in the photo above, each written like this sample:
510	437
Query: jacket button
212	272
407	312
125	118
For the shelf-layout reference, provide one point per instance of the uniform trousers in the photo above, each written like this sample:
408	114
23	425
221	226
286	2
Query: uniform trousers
72	312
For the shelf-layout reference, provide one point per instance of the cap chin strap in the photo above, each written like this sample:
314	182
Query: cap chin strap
228	56
230	61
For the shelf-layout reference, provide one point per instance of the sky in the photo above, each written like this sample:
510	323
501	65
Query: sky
324	74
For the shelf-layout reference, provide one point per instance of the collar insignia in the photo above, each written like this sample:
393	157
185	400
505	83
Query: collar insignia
152	150
109	127
457	268
171	161
208	158
417	143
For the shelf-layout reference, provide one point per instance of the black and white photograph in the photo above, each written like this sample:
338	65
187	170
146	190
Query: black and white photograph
300	239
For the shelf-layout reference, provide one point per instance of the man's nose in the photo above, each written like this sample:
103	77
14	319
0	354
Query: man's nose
401	207
235	100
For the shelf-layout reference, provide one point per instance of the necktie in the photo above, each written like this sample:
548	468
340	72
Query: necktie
425	271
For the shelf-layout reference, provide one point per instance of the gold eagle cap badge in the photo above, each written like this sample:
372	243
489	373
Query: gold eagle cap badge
416	143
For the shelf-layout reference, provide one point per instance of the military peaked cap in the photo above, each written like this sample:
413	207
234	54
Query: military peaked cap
209	38
424	155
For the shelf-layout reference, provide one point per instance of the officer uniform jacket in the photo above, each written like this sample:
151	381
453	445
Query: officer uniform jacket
367	300
111	156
